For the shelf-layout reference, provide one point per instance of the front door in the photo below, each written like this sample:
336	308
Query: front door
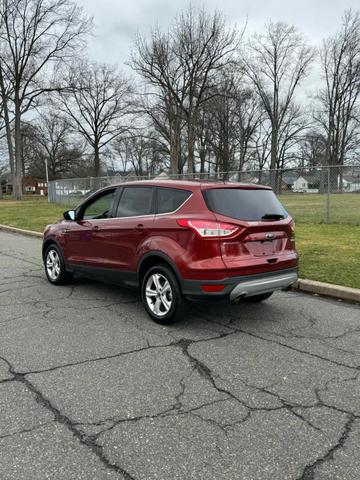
82	243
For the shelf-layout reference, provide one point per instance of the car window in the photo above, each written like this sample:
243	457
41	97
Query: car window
100	207
170	199
245	204
135	201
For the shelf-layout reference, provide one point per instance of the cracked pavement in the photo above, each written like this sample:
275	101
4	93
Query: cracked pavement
91	388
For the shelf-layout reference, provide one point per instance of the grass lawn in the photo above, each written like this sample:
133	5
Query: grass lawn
32	214
311	208
329	252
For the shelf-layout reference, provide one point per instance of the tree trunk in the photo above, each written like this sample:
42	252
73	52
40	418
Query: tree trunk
191	145
18	177
202	160
274	144
7	128
242	159
96	160
175	147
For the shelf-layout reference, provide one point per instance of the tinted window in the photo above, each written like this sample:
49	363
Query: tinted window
243	204
100	207
135	201
170	199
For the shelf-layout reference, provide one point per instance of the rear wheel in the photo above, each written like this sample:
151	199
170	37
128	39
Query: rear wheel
258	298
55	266
161	295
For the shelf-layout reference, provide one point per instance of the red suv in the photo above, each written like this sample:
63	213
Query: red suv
177	241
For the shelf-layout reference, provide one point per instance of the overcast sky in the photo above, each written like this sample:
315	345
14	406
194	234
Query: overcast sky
117	21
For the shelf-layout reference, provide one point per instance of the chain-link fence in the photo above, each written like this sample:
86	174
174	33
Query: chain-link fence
311	195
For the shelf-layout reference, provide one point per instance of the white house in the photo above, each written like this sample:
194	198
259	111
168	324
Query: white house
350	184
305	185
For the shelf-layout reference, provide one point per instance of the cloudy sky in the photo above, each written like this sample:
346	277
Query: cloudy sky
117	21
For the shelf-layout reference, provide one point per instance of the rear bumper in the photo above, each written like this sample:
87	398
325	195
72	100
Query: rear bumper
236	288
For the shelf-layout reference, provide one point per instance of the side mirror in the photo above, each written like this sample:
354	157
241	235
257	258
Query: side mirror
70	215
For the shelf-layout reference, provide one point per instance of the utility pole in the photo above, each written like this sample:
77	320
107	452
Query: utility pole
47	178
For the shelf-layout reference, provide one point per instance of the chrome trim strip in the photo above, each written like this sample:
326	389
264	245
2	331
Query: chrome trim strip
257	287
140	216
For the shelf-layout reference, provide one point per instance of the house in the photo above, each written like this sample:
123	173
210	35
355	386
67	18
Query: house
284	182
32	186
35	186
350	183
306	184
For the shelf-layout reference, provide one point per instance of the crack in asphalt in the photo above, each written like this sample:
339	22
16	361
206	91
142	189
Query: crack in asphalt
69	424
299	350
310	470
26	430
177	408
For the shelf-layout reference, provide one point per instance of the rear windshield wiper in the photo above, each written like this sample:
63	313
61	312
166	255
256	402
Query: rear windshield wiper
272	216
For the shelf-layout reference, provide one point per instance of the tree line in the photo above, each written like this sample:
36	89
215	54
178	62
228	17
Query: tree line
204	97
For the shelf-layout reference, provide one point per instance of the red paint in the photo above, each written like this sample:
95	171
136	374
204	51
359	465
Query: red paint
121	243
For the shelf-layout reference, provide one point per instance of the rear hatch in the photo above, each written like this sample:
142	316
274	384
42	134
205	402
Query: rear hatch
264	240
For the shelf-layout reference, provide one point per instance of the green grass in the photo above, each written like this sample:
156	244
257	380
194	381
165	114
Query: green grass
329	252
311	208
32	214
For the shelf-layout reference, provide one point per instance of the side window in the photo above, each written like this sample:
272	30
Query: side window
170	199
100	207
135	201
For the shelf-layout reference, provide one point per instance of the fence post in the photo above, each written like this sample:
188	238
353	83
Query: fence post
327	218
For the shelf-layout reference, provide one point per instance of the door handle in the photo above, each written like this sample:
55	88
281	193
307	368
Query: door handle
139	227
96	228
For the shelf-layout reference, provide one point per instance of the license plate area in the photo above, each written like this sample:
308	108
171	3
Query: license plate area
261	248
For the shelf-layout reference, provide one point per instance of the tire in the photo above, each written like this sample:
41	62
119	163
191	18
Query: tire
54	264
166	304
258	298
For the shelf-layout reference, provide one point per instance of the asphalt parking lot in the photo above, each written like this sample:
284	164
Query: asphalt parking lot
91	388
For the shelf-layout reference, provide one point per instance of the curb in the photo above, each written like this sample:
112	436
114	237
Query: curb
302	285
29	233
328	290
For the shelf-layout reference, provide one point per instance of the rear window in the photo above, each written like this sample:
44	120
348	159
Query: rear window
245	204
170	199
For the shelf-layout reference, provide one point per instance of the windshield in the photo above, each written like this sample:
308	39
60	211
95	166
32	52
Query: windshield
245	204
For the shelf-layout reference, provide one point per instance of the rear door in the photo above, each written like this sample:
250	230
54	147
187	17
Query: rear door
265	229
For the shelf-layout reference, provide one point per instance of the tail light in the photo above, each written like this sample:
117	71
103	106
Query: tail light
209	229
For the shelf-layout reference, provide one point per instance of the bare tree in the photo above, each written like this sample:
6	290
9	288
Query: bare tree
53	134
35	37
277	62
339	112
293	129
250	114
96	100
262	147
180	67
312	149
221	127
141	153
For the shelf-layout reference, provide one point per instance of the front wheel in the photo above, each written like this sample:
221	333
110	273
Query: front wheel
55	266
161	295
258	298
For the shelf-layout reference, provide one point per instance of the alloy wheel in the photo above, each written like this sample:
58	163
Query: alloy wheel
158	294
53	264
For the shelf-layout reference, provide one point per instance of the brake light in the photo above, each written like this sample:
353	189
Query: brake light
208	228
